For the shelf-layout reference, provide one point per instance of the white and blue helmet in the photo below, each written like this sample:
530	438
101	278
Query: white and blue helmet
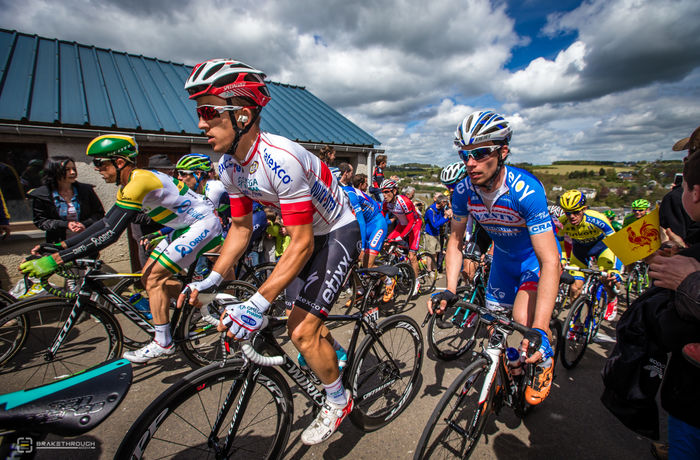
482	126
453	173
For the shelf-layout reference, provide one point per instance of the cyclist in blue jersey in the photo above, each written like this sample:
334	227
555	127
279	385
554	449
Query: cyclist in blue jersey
368	212
510	204
436	216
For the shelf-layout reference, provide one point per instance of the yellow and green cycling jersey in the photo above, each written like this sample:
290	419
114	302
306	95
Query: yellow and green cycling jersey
587	241
166	200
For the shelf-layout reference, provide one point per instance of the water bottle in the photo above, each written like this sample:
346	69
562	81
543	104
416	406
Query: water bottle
514	363
141	304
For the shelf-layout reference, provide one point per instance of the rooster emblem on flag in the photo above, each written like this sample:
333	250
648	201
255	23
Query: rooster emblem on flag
647	235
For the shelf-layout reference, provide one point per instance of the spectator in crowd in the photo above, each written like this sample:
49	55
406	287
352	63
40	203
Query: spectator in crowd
679	326
327	155
378	178
4	218
409	192
31	176
63	206
672	215
435	219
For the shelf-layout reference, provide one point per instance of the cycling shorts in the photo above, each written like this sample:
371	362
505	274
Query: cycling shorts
180	248
509	274
412	237
317	286
605	259
375	231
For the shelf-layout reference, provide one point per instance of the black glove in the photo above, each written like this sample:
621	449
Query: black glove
448	296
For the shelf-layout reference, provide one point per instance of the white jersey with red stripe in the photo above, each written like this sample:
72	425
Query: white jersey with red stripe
282	174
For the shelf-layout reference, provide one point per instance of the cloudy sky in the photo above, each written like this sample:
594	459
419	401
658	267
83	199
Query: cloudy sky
598	79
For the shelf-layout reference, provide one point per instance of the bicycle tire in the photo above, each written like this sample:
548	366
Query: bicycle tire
459	408
426	278
177	423
575	333
555	326
448	335
13	335
94	338
133	336
377	400
258	276
199	340
405	285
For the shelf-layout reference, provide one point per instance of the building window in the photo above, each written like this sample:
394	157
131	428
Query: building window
20	171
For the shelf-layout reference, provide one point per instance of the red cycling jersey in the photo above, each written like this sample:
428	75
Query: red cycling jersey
409	221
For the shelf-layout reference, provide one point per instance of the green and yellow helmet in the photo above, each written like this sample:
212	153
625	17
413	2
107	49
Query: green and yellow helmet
572	200
640	204
113	146
194	162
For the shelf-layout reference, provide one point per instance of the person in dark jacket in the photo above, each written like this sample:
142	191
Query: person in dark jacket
680	325
435	218
63	206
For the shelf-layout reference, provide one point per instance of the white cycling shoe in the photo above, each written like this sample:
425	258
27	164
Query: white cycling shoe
327	421
150	351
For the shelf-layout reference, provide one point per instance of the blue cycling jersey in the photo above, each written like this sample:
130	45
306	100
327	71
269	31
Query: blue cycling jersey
366	209
520	210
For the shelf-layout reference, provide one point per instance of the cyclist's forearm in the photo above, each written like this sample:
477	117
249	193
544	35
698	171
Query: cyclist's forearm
290	264
233	248
99	235
453	261
546	293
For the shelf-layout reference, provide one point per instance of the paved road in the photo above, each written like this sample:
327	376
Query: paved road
571	423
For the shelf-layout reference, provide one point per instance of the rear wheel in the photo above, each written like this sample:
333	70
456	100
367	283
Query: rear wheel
385	372
453	333
575	333
457	422
95	337
178	424
427	272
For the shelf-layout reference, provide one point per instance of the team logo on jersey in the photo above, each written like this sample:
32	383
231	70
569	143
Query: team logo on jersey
520	186
254	167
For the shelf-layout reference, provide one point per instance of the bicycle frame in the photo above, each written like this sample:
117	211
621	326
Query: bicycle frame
264	341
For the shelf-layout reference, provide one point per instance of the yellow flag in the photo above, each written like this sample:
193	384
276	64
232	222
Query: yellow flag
638	240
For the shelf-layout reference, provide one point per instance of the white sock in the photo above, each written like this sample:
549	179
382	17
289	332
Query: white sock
163	336
335	393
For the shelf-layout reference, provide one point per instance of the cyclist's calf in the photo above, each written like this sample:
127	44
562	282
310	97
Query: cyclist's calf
305	330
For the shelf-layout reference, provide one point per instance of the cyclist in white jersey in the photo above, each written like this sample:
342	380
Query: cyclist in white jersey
276	172
197	171
167	201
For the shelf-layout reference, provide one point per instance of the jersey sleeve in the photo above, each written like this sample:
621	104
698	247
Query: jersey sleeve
535	212
602	223
241	205
460	201
357	209
294	189
141	183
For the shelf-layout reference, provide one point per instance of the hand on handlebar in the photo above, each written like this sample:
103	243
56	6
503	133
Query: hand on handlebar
245	318
441	300
543	352
192	290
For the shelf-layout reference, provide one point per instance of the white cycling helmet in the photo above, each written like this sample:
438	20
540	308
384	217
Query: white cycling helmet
453	173
482	126
388	184
228	78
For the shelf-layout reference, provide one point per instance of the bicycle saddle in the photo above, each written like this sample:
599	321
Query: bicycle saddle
388	270
566	278
70	406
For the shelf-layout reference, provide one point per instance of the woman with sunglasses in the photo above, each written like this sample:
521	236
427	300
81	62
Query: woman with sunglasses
510	204
168	202
587	229
257	166
63	206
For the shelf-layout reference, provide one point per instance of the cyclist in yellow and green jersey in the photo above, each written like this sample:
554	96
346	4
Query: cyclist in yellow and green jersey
640	208
610	214
168	201
587	229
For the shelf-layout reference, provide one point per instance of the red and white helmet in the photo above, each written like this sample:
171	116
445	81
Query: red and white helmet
227	78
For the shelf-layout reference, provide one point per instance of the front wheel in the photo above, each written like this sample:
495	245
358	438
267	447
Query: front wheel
575	333
385	371
178	424
94	337
453	333
457	422
201	342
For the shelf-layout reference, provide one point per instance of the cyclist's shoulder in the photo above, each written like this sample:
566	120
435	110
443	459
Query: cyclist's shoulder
524	186
142	181
596	218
